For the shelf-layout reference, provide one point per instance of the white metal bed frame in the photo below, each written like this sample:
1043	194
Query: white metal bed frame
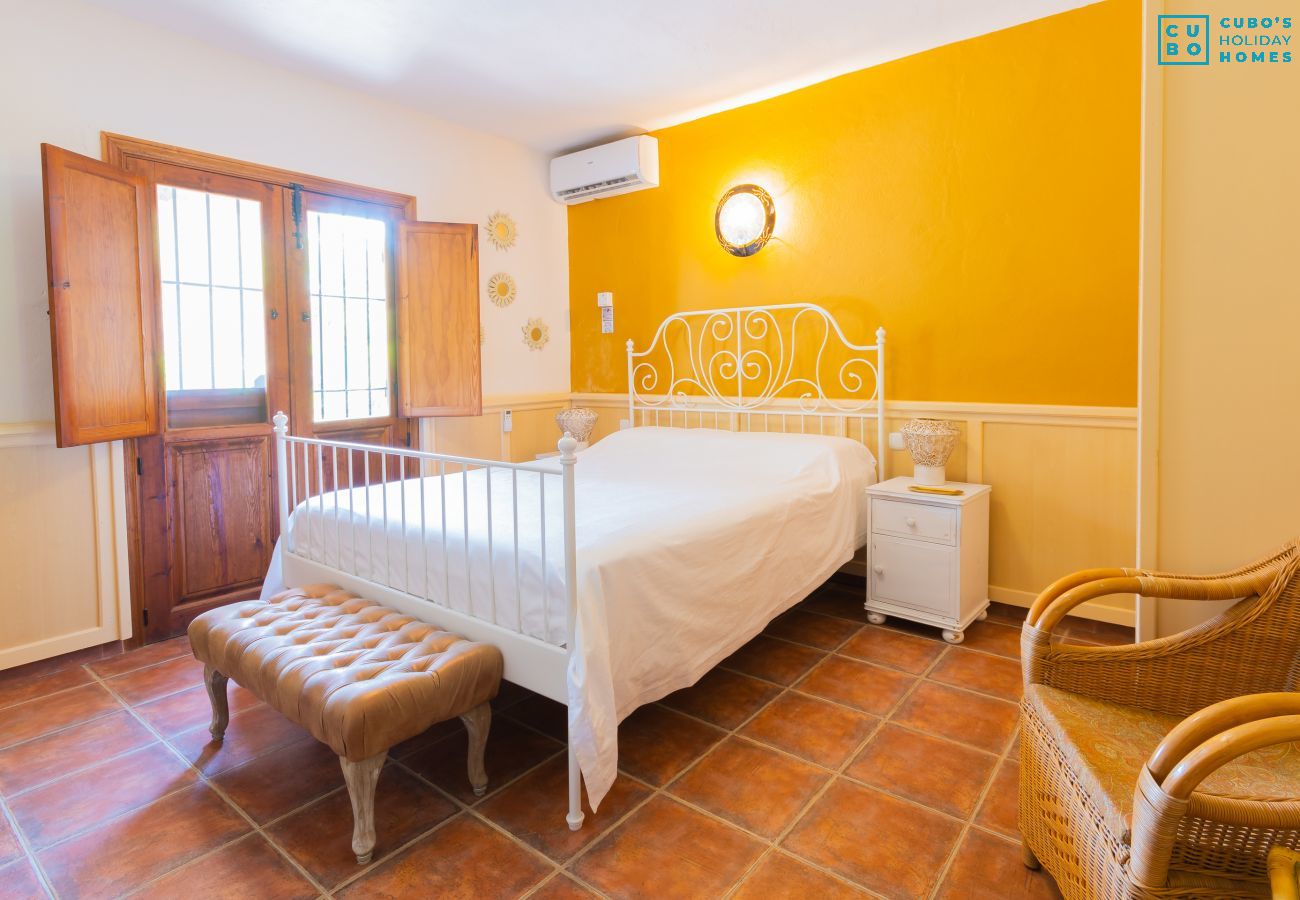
739	363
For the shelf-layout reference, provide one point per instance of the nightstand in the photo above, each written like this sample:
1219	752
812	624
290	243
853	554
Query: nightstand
928	556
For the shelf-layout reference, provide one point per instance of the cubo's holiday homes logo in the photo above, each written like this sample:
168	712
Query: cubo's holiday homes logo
1186	40
1183	40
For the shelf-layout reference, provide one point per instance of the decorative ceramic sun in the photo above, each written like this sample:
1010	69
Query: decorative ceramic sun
502	231
501	289
536	334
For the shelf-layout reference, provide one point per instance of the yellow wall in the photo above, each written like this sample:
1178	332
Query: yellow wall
980	200
1227	484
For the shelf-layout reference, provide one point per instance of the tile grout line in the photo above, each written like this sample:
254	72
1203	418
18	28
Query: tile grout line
466	808
203	779
95	680
471	811
770	844
1000	760
774	845
20	833
72	773
558	868
848	761
29	855
7	678
883	720
970	823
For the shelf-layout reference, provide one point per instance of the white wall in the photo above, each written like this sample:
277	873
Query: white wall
1225	371
69	71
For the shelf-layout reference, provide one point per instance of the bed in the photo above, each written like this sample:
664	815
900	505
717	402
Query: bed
612	577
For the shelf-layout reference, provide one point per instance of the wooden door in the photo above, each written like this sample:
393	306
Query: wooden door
102	338
343	332
438	320
207	482
222	297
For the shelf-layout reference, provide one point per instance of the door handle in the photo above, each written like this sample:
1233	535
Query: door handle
879	570
275	314
306	317
910	522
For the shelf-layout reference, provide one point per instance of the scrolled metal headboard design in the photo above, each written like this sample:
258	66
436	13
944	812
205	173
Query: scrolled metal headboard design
742	360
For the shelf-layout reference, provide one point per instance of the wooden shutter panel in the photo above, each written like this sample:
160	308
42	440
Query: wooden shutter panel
438	364
97	250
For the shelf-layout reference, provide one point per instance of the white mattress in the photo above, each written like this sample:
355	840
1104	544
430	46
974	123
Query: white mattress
689	541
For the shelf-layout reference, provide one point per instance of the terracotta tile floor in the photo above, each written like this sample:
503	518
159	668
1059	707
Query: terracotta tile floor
827	758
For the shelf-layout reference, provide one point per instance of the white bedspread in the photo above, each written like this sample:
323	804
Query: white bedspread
689	541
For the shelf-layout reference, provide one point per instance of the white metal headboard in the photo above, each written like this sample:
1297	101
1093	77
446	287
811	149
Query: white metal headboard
742	361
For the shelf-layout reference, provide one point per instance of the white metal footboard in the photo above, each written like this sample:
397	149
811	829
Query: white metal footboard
333	495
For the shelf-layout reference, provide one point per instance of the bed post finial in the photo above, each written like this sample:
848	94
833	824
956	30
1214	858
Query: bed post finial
282	466
880	335
568	447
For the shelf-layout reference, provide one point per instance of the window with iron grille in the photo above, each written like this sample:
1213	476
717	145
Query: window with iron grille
349	287
210	261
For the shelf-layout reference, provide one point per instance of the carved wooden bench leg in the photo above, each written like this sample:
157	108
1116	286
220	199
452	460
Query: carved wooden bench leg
361	777
478	721
216	684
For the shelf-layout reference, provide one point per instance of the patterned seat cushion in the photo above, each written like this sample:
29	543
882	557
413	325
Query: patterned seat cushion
1107	745
359	676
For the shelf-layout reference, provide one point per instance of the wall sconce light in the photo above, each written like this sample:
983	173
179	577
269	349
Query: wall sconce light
744	219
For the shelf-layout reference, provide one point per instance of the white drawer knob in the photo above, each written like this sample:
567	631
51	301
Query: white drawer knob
910	522
879	570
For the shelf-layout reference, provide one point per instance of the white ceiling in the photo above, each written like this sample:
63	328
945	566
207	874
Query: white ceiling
560	74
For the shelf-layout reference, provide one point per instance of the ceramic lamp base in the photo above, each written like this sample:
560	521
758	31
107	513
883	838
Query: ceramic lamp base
929	475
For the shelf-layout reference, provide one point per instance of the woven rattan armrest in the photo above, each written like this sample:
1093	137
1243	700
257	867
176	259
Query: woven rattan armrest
1202	728
1150	674
1196	748
1232	587
1064	594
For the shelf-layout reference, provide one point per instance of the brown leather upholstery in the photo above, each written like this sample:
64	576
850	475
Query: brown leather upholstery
359	676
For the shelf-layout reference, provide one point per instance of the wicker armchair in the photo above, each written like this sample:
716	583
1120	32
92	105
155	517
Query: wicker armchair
1284	873
1166	768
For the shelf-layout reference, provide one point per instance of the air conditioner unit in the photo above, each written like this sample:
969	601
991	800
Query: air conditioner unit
631	164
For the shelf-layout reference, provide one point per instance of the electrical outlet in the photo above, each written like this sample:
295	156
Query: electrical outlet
507	421
896	441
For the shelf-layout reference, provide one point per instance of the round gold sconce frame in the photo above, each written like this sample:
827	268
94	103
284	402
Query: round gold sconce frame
744	219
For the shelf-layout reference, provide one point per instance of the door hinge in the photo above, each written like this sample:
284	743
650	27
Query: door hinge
296	207
139	466
144	617
408	436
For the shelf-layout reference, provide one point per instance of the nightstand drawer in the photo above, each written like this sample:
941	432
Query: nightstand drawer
915	520
913	573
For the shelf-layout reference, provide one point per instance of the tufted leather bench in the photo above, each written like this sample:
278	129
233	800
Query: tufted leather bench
359	676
